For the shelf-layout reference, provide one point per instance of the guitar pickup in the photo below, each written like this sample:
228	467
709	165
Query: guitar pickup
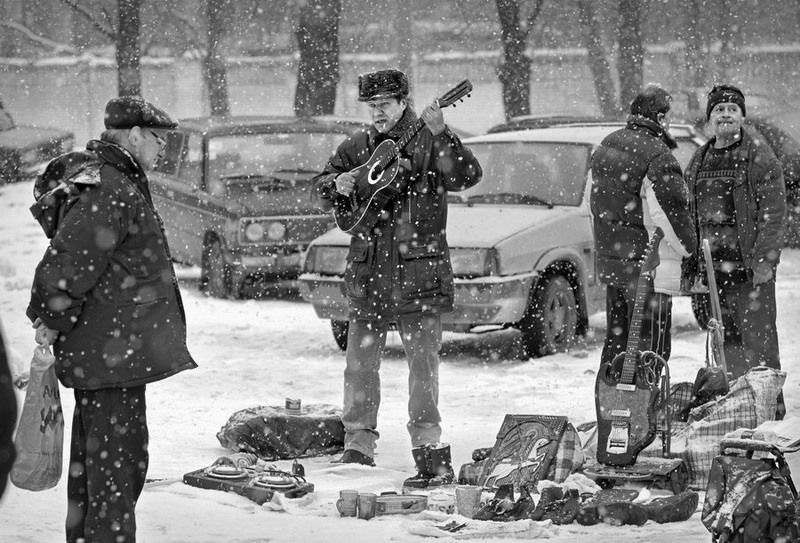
626	387
621	413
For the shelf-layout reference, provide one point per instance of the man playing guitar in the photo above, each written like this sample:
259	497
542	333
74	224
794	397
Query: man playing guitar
398	266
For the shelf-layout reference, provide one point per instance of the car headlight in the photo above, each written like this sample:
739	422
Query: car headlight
259	230
329	260
254	231
474	262
276	231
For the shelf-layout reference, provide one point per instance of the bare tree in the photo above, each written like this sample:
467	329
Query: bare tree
630	53
598	63
216	75
318	71
126	36
128	51
514	71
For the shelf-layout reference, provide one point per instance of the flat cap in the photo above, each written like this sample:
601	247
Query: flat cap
130	111
382	84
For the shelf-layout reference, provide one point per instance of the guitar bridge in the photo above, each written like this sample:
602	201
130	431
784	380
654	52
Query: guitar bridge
619	436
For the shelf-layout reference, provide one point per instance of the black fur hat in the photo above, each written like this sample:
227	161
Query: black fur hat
382	84
130	111
725	93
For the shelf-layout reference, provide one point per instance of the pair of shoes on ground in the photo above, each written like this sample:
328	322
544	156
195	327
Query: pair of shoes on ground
352	456
553	505
616	507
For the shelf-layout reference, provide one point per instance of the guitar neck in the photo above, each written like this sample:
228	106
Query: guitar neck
409	134
634	333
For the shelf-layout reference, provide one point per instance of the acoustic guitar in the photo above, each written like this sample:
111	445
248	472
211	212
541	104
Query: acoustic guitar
626	389
376	183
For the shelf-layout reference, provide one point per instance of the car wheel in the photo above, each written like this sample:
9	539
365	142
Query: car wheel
215	280
701	307
550	323
340	329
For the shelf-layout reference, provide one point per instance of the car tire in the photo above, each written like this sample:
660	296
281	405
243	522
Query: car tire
550	323
701	307
215	280
340	330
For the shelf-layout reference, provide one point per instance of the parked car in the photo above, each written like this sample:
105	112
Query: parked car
234	195
26	150
521	241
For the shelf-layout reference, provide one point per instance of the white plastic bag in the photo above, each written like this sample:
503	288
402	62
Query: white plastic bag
40	434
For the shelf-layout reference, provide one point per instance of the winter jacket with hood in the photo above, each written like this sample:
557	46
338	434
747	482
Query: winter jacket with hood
759	199
106	281
403	265
638	186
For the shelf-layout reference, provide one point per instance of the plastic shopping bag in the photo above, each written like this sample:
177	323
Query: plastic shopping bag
40	434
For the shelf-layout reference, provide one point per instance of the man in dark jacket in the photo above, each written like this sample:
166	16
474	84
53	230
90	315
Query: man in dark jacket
739	205
638	187
106	297
399	270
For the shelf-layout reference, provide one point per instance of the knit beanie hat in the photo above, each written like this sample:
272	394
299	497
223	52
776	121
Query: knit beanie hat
721	94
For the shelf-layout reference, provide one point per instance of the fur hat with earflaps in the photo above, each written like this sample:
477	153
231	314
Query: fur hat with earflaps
382	84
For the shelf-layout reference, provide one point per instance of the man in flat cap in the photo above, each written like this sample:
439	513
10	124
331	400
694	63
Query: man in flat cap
106	298
739	205
399	271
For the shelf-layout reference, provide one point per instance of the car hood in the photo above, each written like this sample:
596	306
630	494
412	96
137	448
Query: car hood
23	137
467	225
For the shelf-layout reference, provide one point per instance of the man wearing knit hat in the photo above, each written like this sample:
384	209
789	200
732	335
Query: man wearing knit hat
399	272
106	298
739	205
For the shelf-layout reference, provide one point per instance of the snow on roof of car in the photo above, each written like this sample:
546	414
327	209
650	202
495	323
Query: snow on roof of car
589	132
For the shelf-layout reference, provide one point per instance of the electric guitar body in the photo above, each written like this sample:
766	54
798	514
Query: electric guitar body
626	389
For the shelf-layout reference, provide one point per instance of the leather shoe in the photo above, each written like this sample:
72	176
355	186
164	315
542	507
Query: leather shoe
352	456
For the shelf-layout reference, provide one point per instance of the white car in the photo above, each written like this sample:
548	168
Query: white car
521	240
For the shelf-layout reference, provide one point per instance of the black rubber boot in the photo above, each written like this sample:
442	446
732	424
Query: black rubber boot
422	459
441	465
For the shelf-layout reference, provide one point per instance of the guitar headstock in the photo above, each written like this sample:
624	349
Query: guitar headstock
455	94
650	259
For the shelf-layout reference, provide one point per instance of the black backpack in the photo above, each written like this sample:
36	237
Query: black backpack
57	188
751	500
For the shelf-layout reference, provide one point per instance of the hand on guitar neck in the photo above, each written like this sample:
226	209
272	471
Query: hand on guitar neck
434	119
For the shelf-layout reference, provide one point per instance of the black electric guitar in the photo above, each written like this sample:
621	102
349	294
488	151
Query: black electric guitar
627	388
375	179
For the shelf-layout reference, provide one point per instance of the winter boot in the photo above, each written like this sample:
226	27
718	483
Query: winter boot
547	498
672	508
422	459
441	465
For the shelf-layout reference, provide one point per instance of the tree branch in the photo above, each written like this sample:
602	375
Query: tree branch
107	31
57	47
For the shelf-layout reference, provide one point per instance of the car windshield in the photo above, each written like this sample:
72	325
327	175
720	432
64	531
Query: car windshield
529	173
276	159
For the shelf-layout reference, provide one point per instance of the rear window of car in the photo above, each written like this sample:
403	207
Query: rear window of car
530	173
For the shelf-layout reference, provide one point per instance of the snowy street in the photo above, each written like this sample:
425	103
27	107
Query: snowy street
259	352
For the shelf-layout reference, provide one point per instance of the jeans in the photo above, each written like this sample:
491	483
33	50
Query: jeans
749	317
107	466
421	335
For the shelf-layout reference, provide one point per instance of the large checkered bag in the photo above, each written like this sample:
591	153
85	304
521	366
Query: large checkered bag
752	399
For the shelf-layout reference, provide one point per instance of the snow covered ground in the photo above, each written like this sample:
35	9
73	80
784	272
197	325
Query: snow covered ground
260	352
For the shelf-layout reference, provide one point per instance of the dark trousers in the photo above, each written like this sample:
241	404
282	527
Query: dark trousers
108	464
749	316
656	322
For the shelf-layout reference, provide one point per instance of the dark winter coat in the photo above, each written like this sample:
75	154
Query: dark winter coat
8	419
106	282
759	199
403	266
629	161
